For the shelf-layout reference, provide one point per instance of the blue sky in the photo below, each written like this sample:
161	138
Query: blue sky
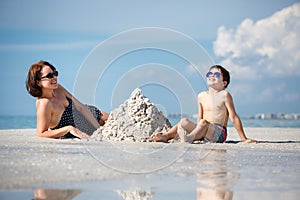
258	41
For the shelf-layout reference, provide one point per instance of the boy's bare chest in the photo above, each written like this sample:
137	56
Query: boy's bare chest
213	103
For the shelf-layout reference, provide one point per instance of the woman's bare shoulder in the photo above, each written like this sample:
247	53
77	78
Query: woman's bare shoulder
43	103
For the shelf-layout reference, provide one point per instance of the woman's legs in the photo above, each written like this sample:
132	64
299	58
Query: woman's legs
104	117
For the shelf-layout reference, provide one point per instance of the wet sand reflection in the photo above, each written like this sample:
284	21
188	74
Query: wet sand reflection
55	194
217	178
138	194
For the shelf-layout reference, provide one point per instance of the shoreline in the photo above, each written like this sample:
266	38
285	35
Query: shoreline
22	122
28	162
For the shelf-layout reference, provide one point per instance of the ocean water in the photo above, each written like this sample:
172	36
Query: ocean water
267	123
17	122
23	122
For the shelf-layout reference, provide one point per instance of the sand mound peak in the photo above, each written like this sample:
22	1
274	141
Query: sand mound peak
134	120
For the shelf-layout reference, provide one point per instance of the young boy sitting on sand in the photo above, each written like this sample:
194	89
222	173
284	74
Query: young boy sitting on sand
215	107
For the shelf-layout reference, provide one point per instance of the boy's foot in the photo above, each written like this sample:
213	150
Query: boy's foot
183	134
159	137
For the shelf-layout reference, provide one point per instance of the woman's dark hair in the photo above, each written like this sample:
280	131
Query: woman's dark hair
225	73
34	75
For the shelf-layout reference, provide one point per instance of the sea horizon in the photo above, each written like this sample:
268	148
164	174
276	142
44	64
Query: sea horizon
29	121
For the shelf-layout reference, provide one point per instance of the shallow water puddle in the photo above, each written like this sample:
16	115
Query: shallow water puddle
198	174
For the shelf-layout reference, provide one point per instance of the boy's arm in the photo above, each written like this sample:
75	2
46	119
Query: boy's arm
200	111
235	119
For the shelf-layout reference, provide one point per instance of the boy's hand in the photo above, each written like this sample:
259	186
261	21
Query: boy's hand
249	140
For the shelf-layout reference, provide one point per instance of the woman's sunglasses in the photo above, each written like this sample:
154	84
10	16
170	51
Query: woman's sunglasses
51	75
215	74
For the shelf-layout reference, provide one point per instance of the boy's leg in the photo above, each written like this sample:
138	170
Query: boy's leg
187	124
164	137
197	133
172	133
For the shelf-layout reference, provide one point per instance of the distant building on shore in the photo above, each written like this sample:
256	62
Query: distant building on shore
263	116
291	116
182	115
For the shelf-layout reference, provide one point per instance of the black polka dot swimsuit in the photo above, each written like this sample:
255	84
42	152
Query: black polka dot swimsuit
74	118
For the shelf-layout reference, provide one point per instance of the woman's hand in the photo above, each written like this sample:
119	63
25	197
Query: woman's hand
78	133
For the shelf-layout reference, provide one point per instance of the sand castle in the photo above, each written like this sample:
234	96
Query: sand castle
134	120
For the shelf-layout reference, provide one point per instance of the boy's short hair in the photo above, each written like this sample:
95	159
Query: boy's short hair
225	73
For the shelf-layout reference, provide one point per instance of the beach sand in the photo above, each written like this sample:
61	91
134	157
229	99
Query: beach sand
87	169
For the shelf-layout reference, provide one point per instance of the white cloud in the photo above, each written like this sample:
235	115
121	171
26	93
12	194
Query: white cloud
237	72
270	46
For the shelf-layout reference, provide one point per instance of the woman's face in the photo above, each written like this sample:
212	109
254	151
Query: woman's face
48	78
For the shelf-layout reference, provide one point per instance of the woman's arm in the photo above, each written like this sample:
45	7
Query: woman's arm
235	119
81	108
63	131
44	107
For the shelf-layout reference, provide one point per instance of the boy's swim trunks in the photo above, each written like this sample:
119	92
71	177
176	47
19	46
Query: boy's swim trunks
220	134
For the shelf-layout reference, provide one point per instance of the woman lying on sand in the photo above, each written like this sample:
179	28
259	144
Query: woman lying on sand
59	114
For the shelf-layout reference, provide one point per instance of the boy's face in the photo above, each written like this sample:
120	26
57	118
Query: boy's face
215	79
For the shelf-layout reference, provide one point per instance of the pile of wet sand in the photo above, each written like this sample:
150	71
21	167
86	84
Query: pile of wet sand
134	120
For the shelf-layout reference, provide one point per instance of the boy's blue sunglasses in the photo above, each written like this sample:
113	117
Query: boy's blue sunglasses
215	74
